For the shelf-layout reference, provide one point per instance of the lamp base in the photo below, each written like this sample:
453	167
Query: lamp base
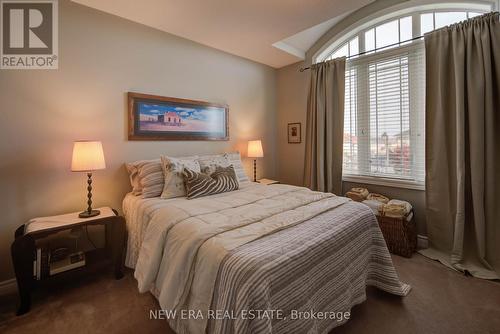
254	170
87	214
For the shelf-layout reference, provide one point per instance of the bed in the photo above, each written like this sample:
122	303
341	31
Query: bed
262	259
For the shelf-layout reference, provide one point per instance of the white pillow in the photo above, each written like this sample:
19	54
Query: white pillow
172	171
235	160
208	164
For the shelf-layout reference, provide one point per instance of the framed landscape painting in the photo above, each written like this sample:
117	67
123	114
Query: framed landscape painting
166	118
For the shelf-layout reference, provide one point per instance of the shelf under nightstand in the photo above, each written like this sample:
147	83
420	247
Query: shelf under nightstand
24	247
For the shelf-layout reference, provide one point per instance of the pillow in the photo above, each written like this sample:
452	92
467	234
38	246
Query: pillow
235	160
146	177
133	175
172	172
134	170
208	164
151	179
201	184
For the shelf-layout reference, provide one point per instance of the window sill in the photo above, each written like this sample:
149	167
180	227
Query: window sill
381	181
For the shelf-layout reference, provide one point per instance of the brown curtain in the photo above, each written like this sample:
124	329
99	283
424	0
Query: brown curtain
463	145
325	127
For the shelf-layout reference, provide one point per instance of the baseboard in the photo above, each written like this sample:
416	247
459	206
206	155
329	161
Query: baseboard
8	287
422	242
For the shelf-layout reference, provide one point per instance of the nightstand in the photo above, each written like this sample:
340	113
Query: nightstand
27	236
268	182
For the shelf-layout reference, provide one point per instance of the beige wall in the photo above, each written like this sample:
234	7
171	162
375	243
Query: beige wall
101	58
292	87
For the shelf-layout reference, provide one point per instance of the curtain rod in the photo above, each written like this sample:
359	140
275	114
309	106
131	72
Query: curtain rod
302	69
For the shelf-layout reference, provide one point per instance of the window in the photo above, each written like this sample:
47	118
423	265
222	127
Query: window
436	20
349	48
384	116
385	96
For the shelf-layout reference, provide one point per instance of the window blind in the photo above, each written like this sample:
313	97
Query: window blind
384	115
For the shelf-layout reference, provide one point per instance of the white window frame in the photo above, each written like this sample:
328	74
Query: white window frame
382	18
389	14
383	180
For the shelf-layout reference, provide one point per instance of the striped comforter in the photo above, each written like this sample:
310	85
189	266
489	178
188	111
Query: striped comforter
260	249
323	265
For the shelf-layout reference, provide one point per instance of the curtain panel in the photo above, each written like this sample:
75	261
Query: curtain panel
463	146
325	127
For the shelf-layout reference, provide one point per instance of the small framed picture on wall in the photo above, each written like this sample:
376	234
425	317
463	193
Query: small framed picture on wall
294	133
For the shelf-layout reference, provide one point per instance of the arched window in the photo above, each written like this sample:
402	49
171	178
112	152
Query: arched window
385	92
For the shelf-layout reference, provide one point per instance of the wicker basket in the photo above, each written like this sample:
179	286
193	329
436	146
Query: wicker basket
400	234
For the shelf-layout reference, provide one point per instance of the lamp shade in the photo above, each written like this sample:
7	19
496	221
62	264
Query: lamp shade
87	156
255	149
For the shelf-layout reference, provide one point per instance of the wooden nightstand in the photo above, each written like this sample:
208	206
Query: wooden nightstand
24	249
268	182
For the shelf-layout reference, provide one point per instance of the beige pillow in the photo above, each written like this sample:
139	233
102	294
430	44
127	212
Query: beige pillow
151	179
144	173
133	174
172	171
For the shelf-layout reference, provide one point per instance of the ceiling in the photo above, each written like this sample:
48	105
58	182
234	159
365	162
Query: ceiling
246	28
299	43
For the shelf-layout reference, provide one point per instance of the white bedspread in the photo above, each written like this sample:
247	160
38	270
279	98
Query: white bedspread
177	245
202	231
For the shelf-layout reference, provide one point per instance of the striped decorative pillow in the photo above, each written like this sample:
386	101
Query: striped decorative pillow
146	177
151	179
200	184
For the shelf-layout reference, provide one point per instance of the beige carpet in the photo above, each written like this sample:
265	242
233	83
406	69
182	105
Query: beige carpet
442	301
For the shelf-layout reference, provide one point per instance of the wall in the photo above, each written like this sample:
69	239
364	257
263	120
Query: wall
292	103
292	89
101	58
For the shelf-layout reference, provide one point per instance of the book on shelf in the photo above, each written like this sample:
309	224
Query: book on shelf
44	266
71	261
41	263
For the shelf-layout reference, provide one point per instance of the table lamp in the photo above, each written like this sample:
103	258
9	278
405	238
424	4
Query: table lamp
255	151
87	157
